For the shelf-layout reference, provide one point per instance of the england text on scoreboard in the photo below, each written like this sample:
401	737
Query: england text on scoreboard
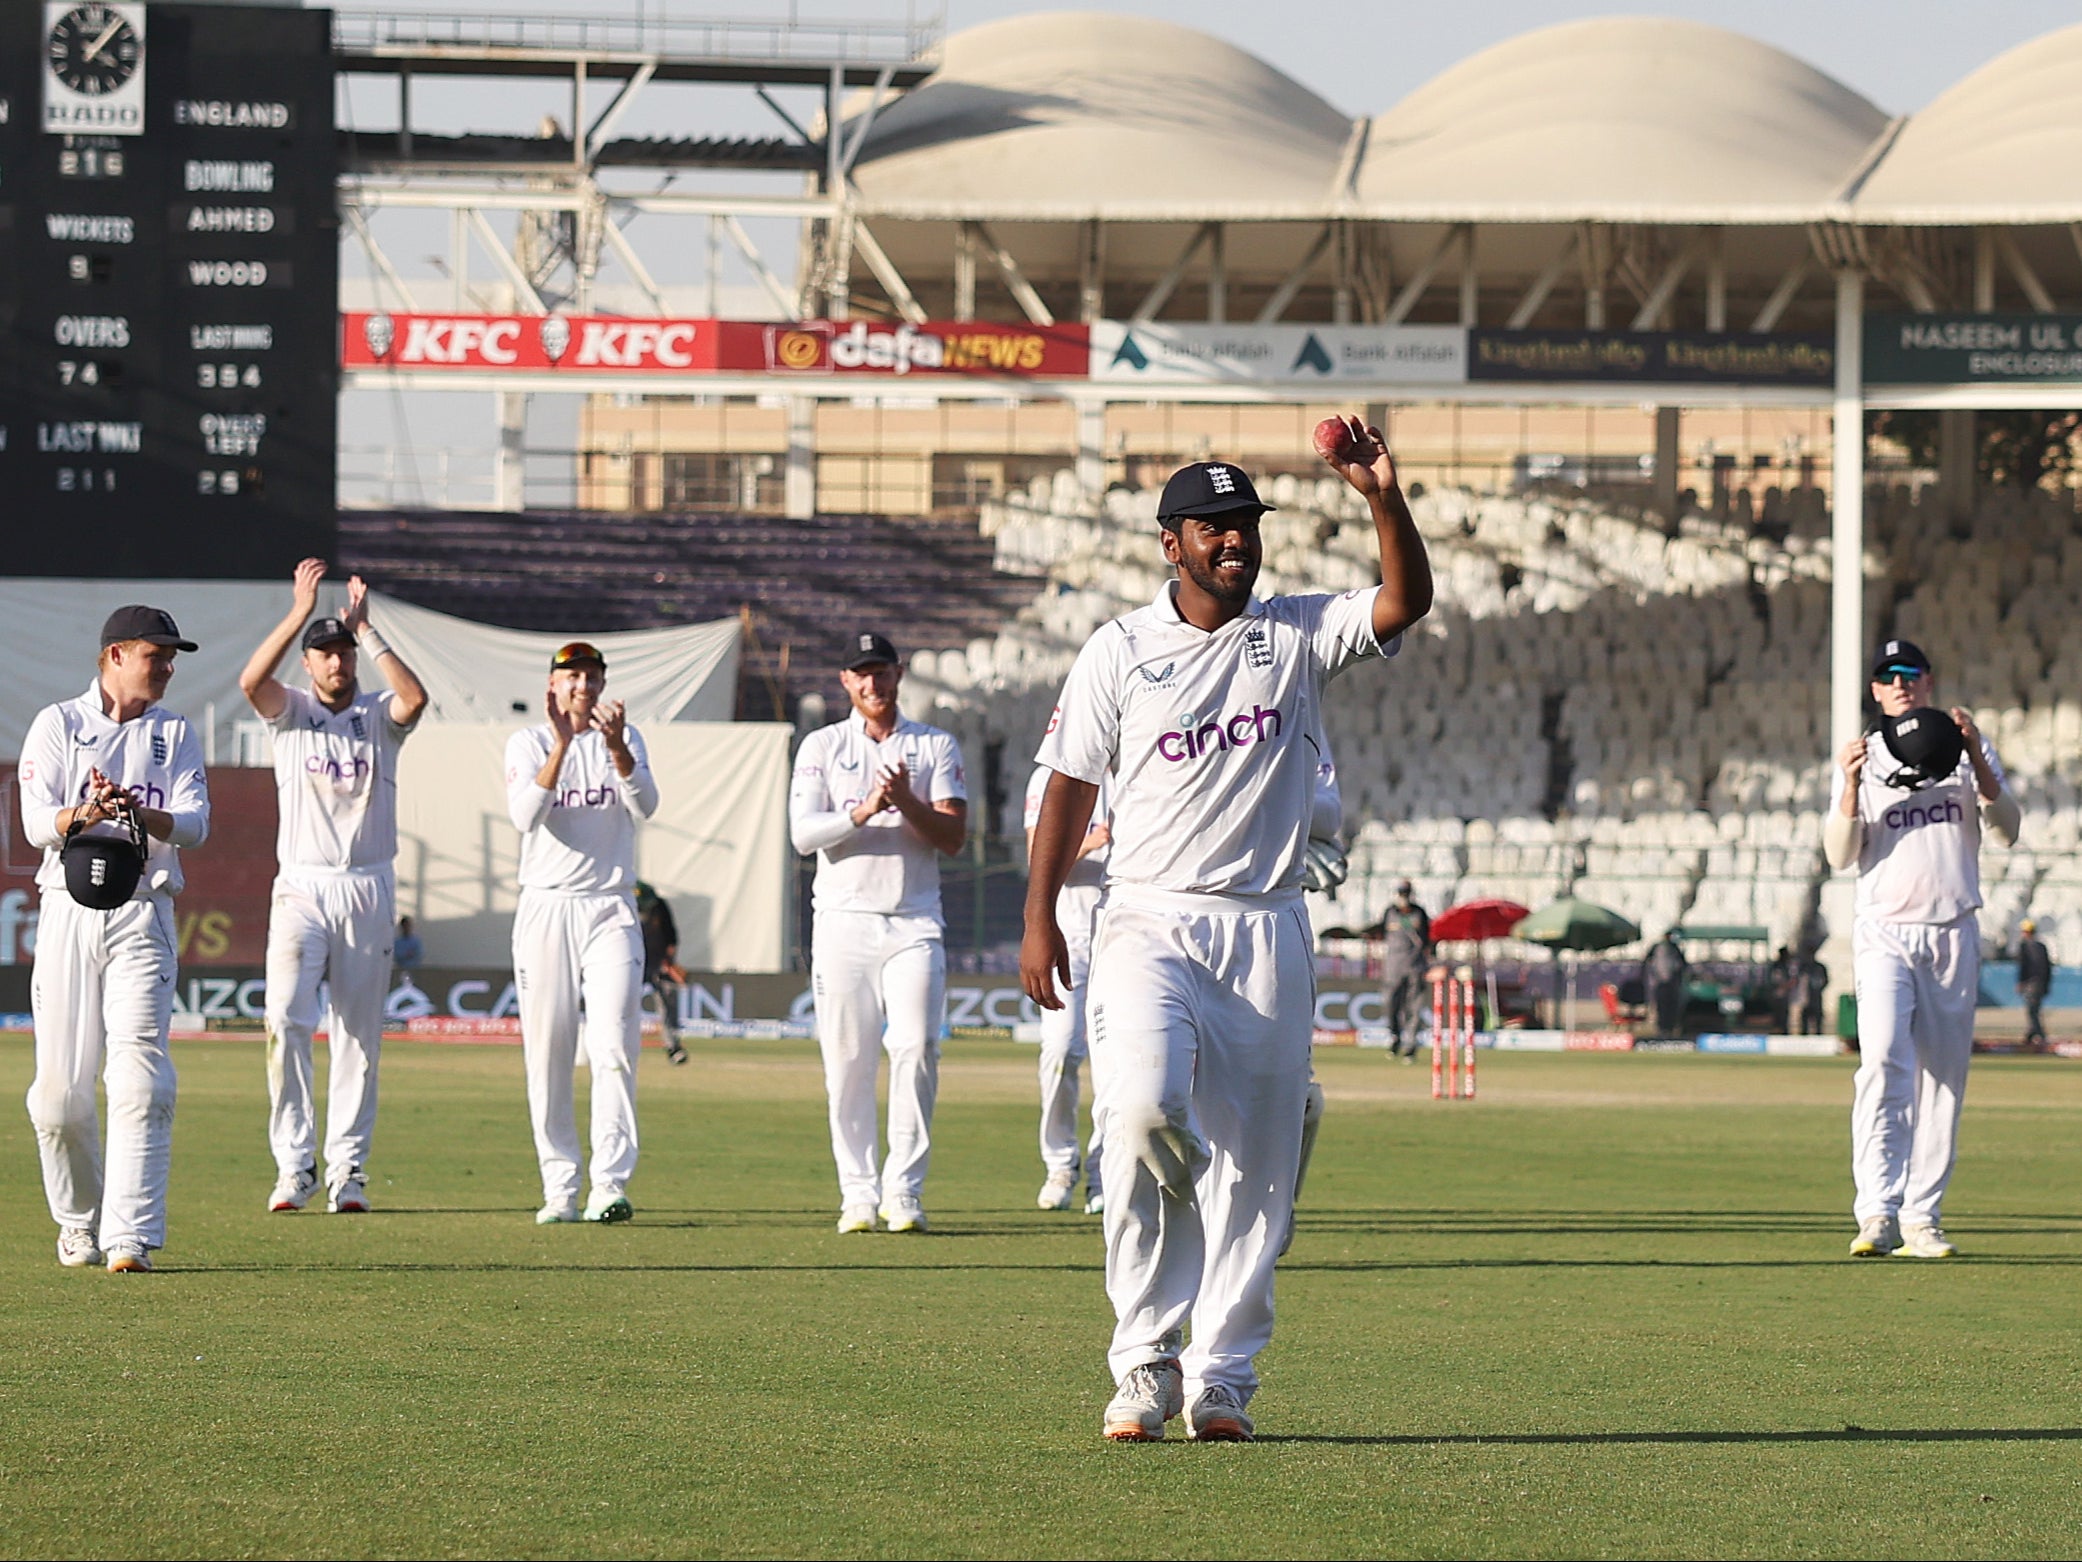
168	283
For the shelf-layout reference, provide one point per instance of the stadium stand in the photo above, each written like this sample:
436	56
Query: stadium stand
1603	707
807	583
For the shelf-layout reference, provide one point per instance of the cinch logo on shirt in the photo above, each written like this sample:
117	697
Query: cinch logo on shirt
149	794
1910	816
583	797
333	770
1220	733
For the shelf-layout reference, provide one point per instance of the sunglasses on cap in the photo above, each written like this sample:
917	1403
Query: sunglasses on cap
1897	673
577	653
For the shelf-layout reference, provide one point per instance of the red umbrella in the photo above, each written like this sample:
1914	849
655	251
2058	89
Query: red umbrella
1477	919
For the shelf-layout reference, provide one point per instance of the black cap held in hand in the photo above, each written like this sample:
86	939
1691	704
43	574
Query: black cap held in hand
1208	488
1928	744
138	622
865	650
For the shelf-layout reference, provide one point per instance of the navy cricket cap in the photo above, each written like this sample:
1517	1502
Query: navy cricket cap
138	622
326	631
1208	488
1905	654
577	653
865	649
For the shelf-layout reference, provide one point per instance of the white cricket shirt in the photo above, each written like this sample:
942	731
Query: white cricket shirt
1920	860
155	754
1078	900
883	866
581	838
336	782
1212	737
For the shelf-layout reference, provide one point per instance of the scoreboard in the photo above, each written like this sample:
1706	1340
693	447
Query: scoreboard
169	278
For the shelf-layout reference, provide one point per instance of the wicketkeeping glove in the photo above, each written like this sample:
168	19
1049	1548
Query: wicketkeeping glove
1324	865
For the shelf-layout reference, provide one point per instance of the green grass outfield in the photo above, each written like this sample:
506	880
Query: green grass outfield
1604	1310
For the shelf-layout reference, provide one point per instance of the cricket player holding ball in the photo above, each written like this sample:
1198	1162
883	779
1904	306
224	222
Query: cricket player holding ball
112	787
575	787
1910	803
1202	985
332	914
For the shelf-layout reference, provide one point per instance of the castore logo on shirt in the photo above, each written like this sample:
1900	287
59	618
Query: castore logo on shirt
1258	725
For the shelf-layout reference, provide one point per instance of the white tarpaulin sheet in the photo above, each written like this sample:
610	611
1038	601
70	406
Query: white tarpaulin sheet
717	849
50	631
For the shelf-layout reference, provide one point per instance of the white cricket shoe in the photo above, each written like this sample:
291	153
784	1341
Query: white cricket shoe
1095	1205
128	1258
1217	1416
1878	1235
904	1215
77	1248
351	1197
293	1191
1056	1193
1148	1396
608	1209
556	1214
1926	1242
856	1217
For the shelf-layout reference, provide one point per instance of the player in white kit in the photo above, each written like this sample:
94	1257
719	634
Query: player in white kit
1063	1041
331	914
879	798
1909	807
1201	999
575	787
102	989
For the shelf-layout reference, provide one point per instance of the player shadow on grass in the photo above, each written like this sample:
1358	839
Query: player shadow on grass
1846	1434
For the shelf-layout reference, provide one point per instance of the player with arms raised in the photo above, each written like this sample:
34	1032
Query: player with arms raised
1202	973
332	914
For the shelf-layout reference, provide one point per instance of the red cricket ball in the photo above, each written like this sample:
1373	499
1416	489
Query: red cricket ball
1335	439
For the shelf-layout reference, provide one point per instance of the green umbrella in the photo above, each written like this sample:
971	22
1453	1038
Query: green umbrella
1572	924
1575	924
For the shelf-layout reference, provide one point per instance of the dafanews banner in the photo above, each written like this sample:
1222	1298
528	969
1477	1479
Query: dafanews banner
1134	353
1657	357
981	349
1972	349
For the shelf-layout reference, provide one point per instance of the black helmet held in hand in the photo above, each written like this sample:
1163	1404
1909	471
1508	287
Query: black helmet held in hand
1928	745
101	871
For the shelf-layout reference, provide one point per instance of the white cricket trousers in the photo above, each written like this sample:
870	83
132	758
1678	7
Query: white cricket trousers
881	986
568	951
1063	1050
102	989
1202	1010
1916	985
335	928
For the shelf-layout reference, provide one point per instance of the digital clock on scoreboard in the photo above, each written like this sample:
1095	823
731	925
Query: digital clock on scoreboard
168	289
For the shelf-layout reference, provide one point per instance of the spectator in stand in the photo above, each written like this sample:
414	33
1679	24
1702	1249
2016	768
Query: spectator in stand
1664	973
406	951
1814	987
2034	980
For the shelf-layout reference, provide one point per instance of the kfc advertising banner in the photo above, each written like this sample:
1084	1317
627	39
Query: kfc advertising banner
579	344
